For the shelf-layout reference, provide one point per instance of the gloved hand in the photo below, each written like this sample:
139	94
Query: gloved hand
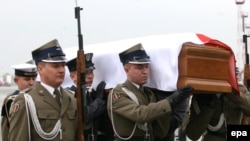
179	95
100	90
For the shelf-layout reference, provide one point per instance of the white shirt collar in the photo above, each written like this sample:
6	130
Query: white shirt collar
137	86
49	88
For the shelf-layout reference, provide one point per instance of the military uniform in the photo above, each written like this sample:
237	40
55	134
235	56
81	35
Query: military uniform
5	114
95	114
21	70
134	111
47	111
209	120
95	107
125	113
177	116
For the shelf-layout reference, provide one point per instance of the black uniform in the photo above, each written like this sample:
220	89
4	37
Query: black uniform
97	123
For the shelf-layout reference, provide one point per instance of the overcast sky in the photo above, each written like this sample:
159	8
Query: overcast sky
27	24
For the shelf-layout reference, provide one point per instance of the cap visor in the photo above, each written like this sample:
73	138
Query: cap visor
90	68
141	61
55	59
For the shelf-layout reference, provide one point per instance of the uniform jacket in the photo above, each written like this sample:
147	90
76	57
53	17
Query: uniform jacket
5	111
48	112
231	105
95	106
126	112
94	113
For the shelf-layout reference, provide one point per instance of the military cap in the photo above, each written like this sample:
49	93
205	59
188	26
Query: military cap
30	62
25	70
134	55
71	64
49	52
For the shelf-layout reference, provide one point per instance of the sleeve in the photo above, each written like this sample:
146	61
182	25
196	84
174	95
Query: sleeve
198	121
4	123
127	108
243	101
94	109
19	127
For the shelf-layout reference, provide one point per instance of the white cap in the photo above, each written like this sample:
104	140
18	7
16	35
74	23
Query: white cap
25	69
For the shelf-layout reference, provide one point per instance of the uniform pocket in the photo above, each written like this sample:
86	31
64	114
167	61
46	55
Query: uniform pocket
47	119
47	114
71	114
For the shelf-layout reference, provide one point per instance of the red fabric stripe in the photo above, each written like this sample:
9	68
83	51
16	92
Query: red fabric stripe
231	60
203	38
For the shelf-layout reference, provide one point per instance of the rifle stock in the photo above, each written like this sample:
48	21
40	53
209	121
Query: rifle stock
81	83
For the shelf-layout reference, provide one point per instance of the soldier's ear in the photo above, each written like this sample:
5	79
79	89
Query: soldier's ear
15	79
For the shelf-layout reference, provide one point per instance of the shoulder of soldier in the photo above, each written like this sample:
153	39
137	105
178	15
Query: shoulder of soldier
27	90
118	88
69	91
7	96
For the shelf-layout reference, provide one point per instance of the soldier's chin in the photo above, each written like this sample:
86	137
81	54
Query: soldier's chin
143	82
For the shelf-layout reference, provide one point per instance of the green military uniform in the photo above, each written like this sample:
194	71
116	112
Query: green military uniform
5	116
231	105
135	113
27	71
125	112
48	112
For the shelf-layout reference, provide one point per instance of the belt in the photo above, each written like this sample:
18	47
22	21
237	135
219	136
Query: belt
218	134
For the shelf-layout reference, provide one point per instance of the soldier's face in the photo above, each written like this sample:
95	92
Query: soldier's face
52	73
137	73
89	78
24	82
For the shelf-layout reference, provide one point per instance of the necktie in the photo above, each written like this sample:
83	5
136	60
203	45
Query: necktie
57	93
141	89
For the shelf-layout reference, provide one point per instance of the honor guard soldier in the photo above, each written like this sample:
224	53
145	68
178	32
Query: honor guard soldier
25	76
133	109
96	105
211	113
46	111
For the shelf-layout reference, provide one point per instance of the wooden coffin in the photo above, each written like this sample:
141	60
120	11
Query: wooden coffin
204	67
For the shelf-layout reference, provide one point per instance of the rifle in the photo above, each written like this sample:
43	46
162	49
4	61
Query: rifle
81	83
244	120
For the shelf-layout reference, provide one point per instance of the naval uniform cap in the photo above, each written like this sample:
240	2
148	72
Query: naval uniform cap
30	62
134	55
25	70
49	52
89	65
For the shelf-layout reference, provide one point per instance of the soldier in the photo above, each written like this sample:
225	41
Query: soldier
96	102
25	76
211	113
133	110
46	111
